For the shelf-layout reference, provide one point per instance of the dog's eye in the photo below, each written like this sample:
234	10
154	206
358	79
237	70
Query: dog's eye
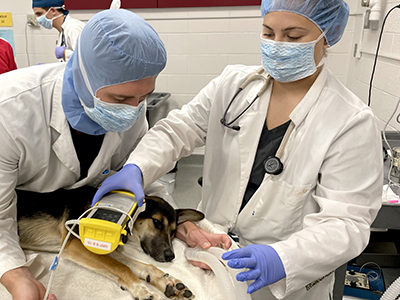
157	223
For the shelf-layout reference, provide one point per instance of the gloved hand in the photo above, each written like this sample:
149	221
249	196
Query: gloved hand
264	263
60	52
129	178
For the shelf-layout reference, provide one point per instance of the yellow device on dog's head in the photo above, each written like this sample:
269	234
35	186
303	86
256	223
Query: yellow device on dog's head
107	225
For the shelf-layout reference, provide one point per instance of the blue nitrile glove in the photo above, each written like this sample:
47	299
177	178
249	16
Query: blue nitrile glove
264	263
60	52
129	178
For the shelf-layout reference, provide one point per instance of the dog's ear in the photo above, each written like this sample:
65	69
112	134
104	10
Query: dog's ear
183	215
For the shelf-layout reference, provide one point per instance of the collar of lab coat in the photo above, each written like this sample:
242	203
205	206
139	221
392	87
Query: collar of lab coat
67	17
301	110
64	146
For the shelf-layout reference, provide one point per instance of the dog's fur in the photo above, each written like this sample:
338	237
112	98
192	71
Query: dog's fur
41	219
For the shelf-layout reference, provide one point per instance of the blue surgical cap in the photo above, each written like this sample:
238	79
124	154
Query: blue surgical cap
330	16
114	47
47	3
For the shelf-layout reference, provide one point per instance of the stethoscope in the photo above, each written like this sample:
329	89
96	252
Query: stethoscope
273	164
251	77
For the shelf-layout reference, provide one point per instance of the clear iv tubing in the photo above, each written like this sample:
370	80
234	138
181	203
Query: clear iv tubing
235	290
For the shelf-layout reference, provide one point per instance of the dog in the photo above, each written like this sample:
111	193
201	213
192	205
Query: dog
41	218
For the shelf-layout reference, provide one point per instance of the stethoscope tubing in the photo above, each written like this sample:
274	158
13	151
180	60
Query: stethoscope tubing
252	77
273	164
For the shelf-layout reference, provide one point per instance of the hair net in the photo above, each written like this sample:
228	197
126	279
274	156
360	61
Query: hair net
329	15
115	46
47	3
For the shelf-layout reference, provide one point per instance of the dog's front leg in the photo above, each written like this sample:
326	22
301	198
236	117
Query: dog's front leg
171	287
110	268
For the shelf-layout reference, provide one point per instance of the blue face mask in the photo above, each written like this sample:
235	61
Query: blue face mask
47	23
114	117
288	62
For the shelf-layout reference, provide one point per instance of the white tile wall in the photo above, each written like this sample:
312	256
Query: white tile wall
386	87
209	26
201	41
207	64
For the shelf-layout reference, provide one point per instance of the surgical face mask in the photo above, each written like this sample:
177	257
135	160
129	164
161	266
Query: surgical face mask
289	61
114	117
47	23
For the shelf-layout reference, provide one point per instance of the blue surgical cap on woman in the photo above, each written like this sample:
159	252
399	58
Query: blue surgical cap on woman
47	3
330	16
115	46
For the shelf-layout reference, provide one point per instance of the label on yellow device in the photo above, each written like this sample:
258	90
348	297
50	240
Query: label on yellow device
106	226
97	244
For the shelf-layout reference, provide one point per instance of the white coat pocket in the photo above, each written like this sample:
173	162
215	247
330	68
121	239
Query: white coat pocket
273	213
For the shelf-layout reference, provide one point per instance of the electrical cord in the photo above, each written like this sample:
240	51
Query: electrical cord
376	53
390	182
26	44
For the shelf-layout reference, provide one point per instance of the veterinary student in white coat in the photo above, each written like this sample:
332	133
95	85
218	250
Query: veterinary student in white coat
298	225
51	14
64	126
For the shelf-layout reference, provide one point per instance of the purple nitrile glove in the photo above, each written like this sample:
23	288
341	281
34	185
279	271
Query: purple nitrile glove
129	178
60	52
264	263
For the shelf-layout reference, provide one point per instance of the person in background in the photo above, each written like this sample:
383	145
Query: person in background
68	126
7	61
296	174
51	14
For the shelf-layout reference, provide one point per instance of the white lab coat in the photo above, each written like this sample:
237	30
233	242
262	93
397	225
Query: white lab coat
72	29
37	153
317	212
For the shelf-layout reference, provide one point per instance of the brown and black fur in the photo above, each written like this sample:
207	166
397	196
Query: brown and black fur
41	218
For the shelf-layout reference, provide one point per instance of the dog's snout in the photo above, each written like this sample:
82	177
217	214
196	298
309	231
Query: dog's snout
169	255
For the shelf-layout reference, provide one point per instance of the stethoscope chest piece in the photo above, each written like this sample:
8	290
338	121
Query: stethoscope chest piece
273	165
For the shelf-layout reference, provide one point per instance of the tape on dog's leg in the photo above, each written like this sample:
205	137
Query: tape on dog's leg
53	267
54	264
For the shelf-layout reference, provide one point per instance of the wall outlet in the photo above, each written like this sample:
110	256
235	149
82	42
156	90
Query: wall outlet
31	20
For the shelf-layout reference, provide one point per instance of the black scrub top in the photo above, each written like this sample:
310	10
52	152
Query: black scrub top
87	148
267	146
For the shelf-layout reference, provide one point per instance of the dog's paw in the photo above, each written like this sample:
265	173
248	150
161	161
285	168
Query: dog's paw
178	291
173	288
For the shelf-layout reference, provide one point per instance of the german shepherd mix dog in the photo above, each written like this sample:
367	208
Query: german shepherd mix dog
41	218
